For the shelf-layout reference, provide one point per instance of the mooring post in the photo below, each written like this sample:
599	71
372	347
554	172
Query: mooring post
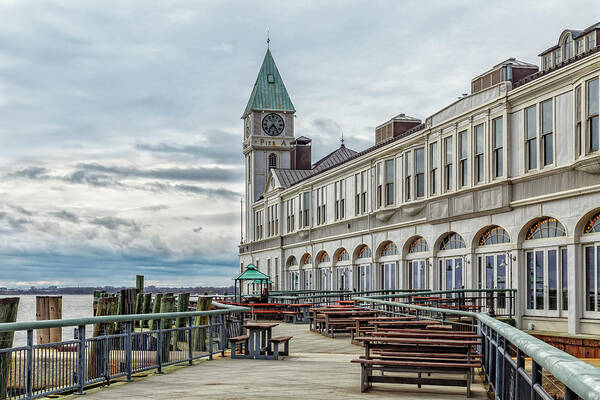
128	329
81	359
190	324
159	340
29	376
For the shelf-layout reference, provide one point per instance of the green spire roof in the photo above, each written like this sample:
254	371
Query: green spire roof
269	92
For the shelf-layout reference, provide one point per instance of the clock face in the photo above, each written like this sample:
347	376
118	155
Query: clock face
273	124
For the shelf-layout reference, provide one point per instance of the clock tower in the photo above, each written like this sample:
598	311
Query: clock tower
268	130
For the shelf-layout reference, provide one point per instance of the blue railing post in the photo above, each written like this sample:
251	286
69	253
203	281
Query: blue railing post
520	366
159	340
210	337
29	376
223	340
536	377
81	359
570	395
190	323
128	349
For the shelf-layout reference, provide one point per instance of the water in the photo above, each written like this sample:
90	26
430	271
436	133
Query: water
73	306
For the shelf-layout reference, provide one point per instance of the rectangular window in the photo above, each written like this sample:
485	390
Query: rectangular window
340	193
363	194
420	172
290	211
547	61
356	194
590	282
579	139
321	205
448	163
407	175
479	154
557	57
463	154
389	182
259	215
565	279
433	157
379	184
497	146
547	124
531	137
273	220
305	210
591	40
592	114
580	46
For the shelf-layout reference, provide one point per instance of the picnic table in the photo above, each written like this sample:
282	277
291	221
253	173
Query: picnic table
259	335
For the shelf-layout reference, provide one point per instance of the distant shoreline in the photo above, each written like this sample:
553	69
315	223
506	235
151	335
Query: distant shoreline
112	289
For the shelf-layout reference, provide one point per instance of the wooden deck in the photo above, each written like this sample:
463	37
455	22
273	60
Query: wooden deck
319	368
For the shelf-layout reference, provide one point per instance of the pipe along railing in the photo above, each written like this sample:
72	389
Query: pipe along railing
497	302
504	349
120	350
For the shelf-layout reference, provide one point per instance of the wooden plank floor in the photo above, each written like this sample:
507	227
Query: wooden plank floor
319	368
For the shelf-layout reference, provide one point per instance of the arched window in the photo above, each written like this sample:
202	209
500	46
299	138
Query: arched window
292	261
494	235
593	225
390	249
324	258
272	160
306	259
418	245
545	228
343	255
364	252
452	241
568	47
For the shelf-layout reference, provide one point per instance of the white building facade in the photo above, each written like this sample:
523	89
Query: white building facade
500	189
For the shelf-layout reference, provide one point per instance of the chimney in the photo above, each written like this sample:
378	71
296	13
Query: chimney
395	127
301	153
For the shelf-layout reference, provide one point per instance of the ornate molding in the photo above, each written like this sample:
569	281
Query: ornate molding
590	166
384	215
413	210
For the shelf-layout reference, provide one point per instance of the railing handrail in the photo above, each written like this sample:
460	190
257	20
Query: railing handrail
581	377
402	293
56	323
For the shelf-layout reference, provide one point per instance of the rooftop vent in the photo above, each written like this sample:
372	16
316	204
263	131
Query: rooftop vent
508	70
395	127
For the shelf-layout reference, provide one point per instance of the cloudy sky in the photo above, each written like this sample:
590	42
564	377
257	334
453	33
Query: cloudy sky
120	130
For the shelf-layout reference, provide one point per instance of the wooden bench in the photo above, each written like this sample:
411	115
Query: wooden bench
291	316
242	342
276	341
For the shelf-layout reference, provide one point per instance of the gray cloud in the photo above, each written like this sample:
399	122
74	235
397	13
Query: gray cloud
30	173
66	216
114	223
197	230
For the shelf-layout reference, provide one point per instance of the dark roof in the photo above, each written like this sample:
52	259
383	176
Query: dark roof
289	177
575	34
563	63
334	158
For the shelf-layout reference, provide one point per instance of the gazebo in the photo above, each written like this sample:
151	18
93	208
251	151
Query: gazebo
250	274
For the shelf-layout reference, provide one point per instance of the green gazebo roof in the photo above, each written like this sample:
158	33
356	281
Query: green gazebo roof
269	93
252	274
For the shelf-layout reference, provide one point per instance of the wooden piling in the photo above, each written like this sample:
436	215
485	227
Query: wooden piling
183	303
155	310
95	368
8	313
55	312
42	312
146	308
167	304
139	283
200	335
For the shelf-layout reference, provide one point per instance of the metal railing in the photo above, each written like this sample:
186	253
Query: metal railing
123	345
505	349
496	302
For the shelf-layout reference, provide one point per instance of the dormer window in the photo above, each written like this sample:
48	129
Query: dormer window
591	40
580	46
568	47
272	161
548	61
557	57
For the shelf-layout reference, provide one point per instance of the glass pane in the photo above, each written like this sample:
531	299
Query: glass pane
480	168
458	274
389	171
386	275
501	271
393	276
532	153
590	288
479	139
565	280
548	152
489	272
539	280
530	122
499	163
422	275
448	275
497	133
420	185
479	272
594	133
530	278
552	280
547	116
448	149
407	163
464	146
433	154
415	269
592	97
419	160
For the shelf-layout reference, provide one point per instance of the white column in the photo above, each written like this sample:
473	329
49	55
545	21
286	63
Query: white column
574	260
519	282
471	271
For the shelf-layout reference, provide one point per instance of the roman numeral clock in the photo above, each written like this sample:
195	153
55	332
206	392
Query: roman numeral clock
272	124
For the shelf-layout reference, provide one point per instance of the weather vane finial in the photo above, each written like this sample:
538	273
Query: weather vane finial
268	39
342	139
